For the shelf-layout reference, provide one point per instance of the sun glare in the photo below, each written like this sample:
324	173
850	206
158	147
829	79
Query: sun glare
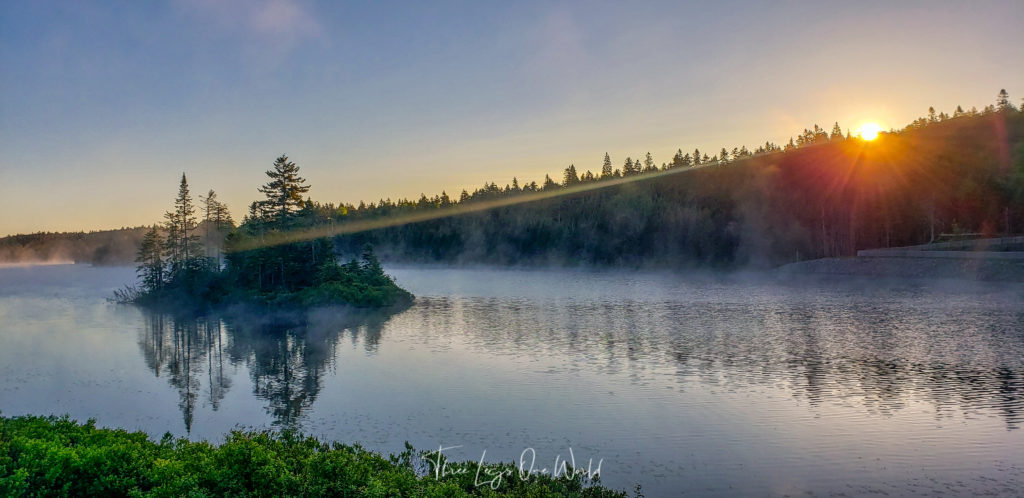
869	131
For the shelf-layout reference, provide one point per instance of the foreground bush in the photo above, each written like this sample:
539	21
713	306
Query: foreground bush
50	456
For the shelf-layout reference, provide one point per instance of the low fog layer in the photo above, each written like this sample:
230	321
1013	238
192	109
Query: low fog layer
108	247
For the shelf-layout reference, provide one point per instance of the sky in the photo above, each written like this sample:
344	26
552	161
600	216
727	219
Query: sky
103	105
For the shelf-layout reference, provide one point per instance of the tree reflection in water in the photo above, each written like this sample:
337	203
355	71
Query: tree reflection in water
286	356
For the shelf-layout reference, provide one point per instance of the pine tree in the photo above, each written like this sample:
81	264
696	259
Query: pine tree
649	165
677	160
570	177
819	135
217	221
606	167
696	157
171	248
837	132
183	247
284	191
628	168
151	261
1003	101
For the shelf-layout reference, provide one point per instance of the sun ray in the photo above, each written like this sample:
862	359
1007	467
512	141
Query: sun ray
304	234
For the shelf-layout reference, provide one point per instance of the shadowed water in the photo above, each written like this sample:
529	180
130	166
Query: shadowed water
685	384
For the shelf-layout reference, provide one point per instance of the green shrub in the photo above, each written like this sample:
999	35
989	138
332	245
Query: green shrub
50	456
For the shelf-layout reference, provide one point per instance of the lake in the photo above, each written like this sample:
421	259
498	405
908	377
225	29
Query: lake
685	384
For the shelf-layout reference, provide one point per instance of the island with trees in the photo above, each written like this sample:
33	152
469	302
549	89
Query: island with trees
190	263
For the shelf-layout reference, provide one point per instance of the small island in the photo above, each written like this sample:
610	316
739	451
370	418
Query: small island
188	263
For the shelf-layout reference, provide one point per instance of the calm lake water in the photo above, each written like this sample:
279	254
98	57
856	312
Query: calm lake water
695	385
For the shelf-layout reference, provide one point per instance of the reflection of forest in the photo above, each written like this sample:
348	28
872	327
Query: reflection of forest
867	360
286	359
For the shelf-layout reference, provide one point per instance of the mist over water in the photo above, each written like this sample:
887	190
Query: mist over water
700	384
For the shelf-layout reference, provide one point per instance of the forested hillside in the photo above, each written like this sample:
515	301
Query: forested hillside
822	194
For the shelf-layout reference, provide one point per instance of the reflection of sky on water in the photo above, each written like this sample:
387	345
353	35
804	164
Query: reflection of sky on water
676	382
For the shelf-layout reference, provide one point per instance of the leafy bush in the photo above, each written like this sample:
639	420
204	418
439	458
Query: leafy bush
50	456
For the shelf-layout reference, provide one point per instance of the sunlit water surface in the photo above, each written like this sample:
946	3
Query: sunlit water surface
685	385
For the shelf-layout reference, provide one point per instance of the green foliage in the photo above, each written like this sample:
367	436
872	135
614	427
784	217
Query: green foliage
357	283
49	456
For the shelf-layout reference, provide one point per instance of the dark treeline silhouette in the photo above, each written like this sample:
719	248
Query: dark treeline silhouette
823	194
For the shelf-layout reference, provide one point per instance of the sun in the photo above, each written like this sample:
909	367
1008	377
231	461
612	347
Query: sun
869	131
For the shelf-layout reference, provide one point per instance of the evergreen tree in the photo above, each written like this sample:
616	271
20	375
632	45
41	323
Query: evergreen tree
570	177
151	261
696	157
628	168
182	243
606	167
649	165
837	132
216	222
677	160
171	247
284	191
819	135
1003	101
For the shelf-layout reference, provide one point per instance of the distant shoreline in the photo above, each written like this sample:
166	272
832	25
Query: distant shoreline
975	269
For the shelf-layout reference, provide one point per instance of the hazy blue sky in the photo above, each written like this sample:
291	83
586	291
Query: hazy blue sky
104	104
